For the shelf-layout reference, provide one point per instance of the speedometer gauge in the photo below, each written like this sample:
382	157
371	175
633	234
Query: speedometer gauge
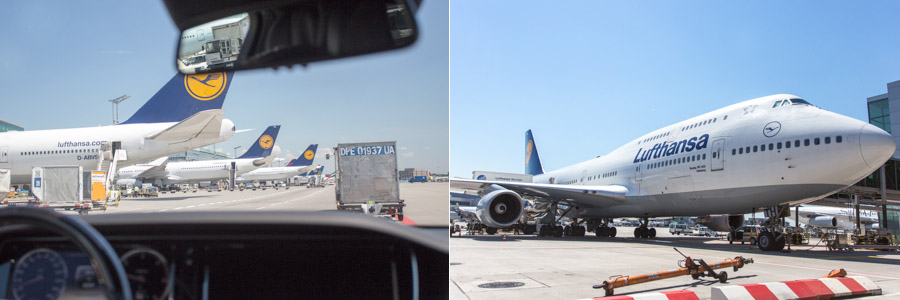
39	274
148	273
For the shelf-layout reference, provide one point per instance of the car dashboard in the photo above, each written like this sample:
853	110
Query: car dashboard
233	256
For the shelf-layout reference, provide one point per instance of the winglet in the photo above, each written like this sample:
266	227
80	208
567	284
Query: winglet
263	145
532	159
306	158
184	96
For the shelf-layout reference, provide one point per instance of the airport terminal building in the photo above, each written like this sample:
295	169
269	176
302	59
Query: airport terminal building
7	126
880	108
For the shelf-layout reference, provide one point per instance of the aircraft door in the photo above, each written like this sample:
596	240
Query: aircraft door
4	154
718	155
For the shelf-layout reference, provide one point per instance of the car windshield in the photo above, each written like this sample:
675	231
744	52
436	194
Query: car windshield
81	78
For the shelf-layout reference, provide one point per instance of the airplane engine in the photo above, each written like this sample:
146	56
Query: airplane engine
132	182
500	208
721	223
823	221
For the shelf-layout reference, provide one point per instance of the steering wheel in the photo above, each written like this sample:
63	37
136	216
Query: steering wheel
110	272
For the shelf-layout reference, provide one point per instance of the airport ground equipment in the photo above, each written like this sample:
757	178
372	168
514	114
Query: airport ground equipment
5	179
367	179
60	187
881	239
695	267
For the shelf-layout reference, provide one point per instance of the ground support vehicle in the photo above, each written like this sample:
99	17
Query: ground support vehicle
367	179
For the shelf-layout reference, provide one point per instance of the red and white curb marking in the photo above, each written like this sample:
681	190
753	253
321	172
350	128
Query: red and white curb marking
822	288
673	295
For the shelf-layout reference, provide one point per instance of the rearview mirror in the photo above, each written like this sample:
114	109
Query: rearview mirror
285	33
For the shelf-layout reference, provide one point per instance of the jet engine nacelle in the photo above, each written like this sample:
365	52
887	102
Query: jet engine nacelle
721	223
500	208
823	221
131	182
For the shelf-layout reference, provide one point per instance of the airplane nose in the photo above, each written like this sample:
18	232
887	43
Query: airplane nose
875	145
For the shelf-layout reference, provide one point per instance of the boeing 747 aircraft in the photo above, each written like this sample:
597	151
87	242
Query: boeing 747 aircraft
763	153
160	172
185	114
300	165
836	217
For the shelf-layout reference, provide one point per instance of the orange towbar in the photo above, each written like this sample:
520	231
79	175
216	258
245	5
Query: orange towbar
696	268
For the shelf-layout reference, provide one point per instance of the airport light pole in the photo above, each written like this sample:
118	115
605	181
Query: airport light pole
235	151
115	107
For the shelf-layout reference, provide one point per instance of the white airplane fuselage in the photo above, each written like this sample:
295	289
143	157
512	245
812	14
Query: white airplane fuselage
713	163
20	151
274	173
195	171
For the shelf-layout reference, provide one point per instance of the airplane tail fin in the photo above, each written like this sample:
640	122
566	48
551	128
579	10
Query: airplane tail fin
306	158
532	160
184	96
263	145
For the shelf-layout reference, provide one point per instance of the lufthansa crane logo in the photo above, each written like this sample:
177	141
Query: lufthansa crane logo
528	149
266	141
308	154
205	87
772	129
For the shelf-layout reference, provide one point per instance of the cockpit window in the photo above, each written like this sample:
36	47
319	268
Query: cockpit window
777	104
799	102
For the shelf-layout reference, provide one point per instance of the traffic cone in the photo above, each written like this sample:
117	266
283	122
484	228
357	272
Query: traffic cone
504	237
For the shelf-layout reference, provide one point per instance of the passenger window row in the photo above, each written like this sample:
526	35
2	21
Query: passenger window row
59	152
786	145
609	174
658	136
698	124
677	161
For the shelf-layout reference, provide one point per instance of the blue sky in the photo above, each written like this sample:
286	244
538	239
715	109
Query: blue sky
589	76
62	60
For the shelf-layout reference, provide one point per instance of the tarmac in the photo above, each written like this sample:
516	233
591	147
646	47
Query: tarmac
530	267
426	203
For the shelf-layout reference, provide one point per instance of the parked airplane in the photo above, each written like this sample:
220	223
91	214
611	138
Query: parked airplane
761	153
298	166
162	172
835	217
185	114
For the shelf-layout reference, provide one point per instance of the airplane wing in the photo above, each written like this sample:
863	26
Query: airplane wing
204	124
587	195
157	168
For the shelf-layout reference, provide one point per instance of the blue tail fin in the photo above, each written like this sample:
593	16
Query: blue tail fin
183	96
532	159
306	158
262	147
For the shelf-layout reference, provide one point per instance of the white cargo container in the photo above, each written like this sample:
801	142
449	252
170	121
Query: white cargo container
367	178
59	187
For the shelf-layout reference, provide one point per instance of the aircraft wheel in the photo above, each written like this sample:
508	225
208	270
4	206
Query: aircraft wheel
544	231
730	239
612	232
581	231
529	229
491	230
766	241
779	243
557	231
652	233
567	231
637	232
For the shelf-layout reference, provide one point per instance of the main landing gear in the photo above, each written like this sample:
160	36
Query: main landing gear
642	232
603	230
772	238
